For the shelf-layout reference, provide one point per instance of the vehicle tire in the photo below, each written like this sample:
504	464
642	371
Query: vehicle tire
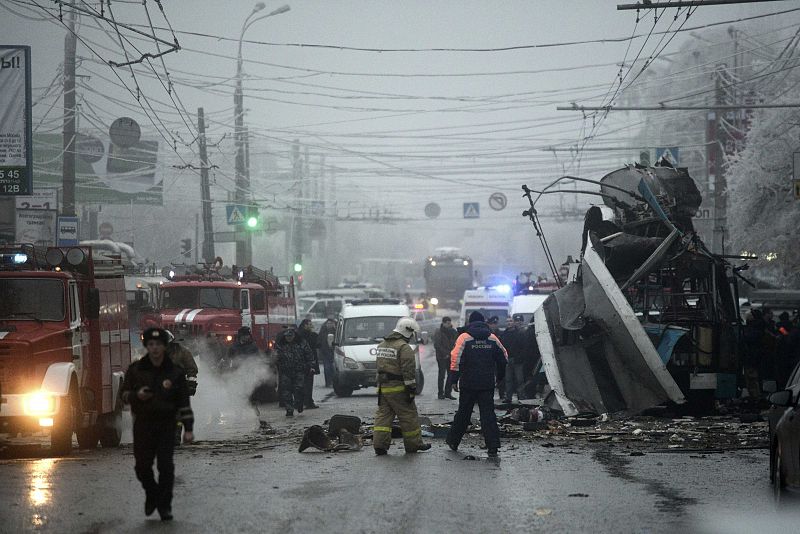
339	389
778	483
420	381
63	425
110	430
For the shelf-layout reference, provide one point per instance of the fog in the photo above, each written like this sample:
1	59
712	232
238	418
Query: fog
357	120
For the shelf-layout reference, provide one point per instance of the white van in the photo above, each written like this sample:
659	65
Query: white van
527	305
361	327
489	301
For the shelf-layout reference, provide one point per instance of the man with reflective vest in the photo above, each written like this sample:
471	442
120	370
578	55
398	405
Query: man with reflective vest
397	385
477	364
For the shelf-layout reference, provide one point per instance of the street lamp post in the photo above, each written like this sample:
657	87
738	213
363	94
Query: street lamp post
244	249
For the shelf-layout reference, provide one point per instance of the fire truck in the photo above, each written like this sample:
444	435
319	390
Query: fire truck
206	307
64	345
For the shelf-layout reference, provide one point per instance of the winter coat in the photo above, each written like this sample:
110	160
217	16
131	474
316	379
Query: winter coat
325	350
243	350
444	339
516	341
312	339
295	356
182	357
170	399
478	360
396	362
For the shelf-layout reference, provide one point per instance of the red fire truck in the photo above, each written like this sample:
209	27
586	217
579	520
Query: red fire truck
64	345
206	308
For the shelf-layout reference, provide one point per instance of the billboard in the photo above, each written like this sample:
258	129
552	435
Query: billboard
16	156
104	173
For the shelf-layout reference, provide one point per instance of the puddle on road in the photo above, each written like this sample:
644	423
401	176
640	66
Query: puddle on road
669	499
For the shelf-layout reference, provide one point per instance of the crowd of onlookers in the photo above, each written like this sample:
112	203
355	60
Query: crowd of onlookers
770	349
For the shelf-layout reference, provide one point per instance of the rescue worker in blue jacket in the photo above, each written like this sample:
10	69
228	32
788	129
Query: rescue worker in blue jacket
477	363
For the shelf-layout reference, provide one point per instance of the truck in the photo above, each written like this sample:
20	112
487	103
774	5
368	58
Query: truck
448	273
64	345
205	307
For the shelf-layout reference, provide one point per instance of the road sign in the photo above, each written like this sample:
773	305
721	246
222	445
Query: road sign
432	210
67	231
498	201
43	198
670	154
16	153
236	213
125	132
472	210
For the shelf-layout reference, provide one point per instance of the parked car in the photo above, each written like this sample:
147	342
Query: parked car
784	437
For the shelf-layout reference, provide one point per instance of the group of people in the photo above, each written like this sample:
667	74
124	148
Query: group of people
519	341
770	348
472	361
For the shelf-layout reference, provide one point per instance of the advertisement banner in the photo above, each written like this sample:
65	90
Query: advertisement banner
37	227
105	173
16	158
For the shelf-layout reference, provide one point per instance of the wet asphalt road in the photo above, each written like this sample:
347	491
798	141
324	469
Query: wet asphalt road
238	479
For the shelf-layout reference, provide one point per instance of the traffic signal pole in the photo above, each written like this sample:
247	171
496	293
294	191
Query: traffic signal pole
205	191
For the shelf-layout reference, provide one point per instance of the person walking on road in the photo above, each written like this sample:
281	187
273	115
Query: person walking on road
444	339
295	362
397	386
477	363
326	351
309	336
157	392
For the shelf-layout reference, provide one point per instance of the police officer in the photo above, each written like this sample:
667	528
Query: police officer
478	362
157	391
397	385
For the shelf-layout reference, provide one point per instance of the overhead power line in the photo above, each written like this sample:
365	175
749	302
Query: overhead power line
677	108
687	3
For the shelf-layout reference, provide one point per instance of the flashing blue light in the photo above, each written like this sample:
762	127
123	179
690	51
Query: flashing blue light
20	258
503	288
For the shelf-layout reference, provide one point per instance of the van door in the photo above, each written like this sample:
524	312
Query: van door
247	316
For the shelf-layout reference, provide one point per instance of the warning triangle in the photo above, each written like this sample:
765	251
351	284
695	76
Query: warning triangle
471	211
236	216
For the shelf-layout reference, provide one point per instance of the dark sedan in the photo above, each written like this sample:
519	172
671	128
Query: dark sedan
784	437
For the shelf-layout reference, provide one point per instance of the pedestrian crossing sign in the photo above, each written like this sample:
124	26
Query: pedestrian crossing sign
472	210
235	213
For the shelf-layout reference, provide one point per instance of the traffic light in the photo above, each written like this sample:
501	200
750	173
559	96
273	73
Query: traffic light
186	247
298	263
252	218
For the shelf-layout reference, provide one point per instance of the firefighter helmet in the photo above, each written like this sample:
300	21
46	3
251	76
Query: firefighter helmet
407	327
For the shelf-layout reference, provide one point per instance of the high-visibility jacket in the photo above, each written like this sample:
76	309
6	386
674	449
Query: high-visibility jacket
397	366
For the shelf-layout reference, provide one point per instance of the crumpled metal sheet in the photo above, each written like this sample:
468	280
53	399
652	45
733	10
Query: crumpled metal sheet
610	364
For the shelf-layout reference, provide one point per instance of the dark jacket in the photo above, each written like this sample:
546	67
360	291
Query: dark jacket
325	350
444	339
294	357
168	384
312	338
516	342
243	350
478	359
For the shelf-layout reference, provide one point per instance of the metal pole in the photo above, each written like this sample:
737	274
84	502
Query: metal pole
196	237
205	190
68	158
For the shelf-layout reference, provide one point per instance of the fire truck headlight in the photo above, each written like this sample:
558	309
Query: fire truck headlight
45	421
229	338
40	403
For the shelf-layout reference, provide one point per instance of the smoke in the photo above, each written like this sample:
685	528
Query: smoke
222	407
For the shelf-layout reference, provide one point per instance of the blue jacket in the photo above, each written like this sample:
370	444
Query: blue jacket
478	359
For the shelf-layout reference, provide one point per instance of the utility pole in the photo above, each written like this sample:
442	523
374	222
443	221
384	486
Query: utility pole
205	191
718	150
196	237
68	157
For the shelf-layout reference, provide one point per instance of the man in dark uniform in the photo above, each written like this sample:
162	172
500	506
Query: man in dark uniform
478	361
443	341
326	351
295	362
243	347
157	391
307	333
